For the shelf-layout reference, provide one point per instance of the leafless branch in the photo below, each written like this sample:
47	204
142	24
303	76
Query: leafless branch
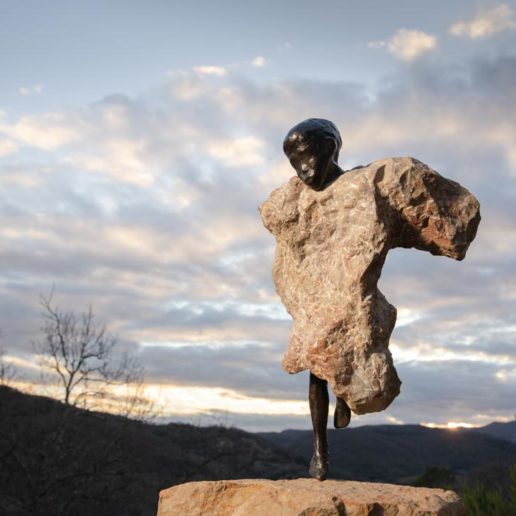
79	353
7	370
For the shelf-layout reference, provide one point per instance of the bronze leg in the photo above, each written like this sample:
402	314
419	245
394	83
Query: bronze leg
318	401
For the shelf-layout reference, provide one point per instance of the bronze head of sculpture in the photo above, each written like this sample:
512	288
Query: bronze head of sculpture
312	147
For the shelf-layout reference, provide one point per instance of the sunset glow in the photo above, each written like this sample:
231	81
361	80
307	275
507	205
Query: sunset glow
451	425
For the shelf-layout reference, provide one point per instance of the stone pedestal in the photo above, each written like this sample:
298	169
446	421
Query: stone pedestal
305	497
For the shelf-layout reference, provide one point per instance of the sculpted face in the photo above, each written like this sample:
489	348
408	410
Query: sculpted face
312	148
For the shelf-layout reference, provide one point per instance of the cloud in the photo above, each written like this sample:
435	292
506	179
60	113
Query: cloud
449	393
239	152
219	71
147	207
7	147
259	61
120	157
488	23
47	131
26	91
377	44
410	44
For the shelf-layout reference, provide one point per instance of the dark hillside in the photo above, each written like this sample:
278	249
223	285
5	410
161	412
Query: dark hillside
59	460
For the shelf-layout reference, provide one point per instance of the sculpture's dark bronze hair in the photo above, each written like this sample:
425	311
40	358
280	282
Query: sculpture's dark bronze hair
308	134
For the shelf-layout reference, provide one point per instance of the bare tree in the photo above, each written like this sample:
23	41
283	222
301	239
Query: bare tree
79	354
7	370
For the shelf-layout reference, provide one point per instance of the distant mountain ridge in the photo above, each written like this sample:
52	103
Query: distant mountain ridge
500	430
401	453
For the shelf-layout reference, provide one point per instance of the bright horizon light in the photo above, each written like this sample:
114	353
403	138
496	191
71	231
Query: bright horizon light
451	425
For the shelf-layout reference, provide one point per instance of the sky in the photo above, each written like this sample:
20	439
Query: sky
137	140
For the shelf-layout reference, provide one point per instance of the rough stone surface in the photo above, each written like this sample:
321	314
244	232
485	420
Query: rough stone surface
331	246
305	497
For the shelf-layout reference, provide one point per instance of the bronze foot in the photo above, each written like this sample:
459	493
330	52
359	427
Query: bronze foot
342	415
319	466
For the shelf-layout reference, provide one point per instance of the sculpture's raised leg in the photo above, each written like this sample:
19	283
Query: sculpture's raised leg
342	415
319	402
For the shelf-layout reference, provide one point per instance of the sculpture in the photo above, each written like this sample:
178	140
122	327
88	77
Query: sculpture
333	229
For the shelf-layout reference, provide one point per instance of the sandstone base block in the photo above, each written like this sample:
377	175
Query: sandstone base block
305	497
